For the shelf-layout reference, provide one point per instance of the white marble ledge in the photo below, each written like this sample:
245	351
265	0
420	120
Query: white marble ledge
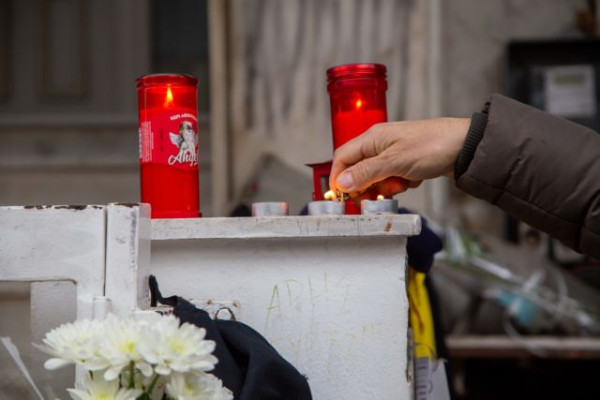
286	227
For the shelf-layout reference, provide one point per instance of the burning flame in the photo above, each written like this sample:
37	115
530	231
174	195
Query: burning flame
380	197
169	97
358	104
329	195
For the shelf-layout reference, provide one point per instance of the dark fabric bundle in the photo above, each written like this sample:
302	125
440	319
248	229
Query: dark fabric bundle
248	365
421	249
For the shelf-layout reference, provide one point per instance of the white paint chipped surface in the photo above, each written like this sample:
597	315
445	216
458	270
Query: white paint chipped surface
327	292
127	256
54	243
288	227
61	250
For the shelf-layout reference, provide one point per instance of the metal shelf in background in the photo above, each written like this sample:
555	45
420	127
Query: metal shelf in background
497	346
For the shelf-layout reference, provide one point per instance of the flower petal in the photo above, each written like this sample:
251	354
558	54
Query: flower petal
204	365
77	394
162	370
144	368
96	364
55	363
112	373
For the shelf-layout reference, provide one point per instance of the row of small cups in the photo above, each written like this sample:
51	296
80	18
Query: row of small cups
325	207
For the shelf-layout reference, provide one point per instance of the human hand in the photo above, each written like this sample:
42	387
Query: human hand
395	156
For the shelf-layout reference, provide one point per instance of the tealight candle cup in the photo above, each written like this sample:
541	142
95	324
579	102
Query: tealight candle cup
270	209
326	207
383	206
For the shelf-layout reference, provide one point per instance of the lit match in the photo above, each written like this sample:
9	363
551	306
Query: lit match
330	195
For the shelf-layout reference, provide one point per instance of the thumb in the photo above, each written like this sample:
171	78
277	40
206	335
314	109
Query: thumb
363	174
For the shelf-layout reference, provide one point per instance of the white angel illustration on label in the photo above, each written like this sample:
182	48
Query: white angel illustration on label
186	141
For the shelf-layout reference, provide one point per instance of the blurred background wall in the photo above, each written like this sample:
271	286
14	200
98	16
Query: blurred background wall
474	40
277	109
67	86
68	113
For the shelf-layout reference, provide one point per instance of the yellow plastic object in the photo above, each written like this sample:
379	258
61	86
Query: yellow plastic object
421	319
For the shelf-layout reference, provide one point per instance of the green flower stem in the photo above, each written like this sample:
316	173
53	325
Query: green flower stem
152	384
131	375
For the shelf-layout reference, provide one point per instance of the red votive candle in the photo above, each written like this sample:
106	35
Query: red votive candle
168	130
357	98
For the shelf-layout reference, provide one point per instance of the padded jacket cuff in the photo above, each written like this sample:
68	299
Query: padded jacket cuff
474	136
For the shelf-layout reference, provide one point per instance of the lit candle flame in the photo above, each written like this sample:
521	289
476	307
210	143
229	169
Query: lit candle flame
169	97
358	104
380	197
329	195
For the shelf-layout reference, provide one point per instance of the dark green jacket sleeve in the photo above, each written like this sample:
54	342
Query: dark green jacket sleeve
540	169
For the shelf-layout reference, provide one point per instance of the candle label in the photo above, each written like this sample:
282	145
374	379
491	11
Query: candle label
170	139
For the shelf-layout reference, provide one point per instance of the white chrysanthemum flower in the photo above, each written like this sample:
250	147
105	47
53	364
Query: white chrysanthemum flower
97	388
75	342
198	386
119	346
170	347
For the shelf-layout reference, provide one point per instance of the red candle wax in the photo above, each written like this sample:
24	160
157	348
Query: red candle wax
169	145
350	124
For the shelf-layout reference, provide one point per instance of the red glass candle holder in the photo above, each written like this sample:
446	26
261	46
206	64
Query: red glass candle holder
168	130
357	97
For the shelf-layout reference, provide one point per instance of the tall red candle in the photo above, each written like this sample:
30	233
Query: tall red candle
168	130
357	99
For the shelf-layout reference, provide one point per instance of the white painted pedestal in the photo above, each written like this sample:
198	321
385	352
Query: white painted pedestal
328	292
